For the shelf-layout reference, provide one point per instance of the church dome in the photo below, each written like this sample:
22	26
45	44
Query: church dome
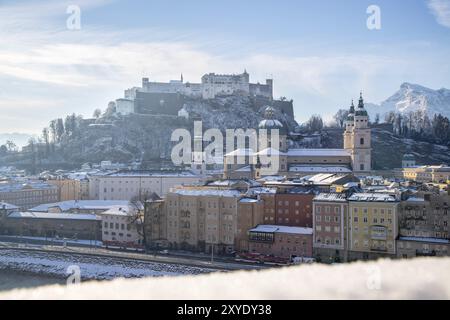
361	111
270	123
409	157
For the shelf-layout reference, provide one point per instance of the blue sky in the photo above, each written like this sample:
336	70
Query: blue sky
320	53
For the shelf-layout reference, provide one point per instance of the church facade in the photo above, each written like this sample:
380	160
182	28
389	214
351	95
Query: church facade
355	156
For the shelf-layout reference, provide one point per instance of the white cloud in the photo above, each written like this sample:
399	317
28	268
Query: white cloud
83	70
441	10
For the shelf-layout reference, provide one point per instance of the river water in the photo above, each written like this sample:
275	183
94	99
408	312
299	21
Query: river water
10	280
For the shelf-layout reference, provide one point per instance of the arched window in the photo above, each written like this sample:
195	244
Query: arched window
361	141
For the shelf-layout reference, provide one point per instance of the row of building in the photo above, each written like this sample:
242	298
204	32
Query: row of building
329	217
128	185
302	221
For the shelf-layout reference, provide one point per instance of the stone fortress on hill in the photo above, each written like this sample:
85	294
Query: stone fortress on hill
169	97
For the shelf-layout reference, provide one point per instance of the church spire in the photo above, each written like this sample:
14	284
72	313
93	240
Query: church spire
352	108
361	101
181	78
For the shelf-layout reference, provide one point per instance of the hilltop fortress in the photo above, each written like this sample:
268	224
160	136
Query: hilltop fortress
168	97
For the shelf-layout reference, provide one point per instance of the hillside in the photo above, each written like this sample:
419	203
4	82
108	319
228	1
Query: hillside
141	137
388	149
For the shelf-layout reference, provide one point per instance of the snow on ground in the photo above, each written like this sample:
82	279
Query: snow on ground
91	267
58	240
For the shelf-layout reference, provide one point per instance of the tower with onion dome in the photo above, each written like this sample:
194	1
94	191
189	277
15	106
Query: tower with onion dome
357	138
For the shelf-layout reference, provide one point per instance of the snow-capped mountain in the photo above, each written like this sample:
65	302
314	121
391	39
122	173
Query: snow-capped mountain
411	98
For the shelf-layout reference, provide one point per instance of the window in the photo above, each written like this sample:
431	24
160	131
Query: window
361	141
361	167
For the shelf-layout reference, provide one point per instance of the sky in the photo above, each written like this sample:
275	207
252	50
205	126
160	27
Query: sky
320	53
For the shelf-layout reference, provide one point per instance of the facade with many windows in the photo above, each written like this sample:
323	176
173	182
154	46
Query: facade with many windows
330	211
372	225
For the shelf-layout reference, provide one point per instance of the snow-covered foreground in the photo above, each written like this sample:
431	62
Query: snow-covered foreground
91	267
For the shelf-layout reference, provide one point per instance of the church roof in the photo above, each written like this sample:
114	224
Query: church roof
318	153
270	123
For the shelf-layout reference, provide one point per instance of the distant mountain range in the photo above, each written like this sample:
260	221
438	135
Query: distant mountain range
411	98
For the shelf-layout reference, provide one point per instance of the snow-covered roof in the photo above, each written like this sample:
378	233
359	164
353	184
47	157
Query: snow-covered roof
318	153
207	192
119	211
331	197
319	168
241	152
421	239
45	215
270	152
81	205
415	199
282	229
151	174
261	190
30	185
7	206
372	197
248	200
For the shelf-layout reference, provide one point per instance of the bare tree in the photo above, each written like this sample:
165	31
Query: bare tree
97	113
340	117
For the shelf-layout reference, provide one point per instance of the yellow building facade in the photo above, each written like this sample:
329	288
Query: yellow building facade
373	225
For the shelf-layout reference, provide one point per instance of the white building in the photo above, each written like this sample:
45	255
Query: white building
212	85
124	106
128	185
122	225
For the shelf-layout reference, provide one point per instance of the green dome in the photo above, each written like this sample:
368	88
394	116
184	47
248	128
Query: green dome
361	113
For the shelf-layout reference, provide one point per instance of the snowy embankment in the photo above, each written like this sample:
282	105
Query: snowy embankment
91	267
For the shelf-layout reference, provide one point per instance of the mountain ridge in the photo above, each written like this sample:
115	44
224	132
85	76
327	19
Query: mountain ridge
411	98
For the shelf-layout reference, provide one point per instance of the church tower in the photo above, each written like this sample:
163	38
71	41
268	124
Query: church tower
360	140
349	125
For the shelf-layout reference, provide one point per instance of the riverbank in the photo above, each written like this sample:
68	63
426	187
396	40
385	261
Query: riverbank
62	264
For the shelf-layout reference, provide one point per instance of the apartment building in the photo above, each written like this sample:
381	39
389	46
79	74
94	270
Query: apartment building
202	219
424	174
28	194
330	211
250	214
293	207
68	189
128	185
281	241
372	225
424	225
123	227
